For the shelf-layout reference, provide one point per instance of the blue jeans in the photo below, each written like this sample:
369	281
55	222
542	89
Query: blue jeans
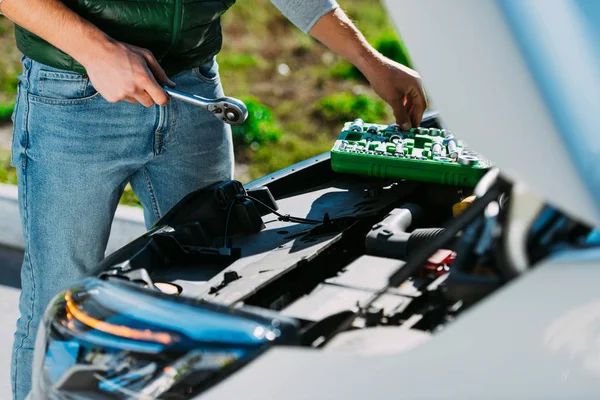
75	153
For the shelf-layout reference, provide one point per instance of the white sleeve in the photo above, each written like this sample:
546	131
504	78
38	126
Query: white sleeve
305	13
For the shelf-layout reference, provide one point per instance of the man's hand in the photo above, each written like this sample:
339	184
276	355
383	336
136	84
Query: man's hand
401	88
129	73
396	84
117	70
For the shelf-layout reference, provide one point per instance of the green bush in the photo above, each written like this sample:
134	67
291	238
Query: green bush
390	45
6	111
387	44
343	70
342	107
8	90
260	127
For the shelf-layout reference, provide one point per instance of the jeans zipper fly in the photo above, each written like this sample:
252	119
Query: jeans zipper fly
159	139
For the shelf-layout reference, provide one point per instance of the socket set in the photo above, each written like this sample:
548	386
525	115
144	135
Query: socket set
421	154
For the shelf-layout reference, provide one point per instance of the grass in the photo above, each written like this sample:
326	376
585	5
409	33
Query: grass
310	103
7	173
9	68
341	107
302	90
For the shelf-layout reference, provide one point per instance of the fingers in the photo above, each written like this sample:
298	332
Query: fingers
408	105
156	69
419	105
411	108
134	99
401	87
401	114
152	88
130	75
152	74
144	99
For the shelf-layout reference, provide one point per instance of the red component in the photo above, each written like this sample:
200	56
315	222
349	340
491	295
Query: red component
438	264
442	256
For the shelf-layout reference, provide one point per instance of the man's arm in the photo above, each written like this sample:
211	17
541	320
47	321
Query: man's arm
118	71
398	85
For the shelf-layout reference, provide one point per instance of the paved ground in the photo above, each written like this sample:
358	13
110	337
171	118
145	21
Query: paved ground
5	135
10	283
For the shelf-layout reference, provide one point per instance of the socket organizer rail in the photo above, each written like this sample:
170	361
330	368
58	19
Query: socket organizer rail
421	154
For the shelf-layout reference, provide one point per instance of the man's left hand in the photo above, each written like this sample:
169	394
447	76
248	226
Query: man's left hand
401	88
398	85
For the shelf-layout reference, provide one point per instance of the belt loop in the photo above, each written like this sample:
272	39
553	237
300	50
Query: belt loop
26	61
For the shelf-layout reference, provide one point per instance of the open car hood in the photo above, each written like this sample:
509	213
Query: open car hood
520	82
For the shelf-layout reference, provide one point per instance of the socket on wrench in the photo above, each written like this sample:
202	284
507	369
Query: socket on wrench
228	109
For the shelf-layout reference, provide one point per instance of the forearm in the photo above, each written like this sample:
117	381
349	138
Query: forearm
58	25
336	31
400	86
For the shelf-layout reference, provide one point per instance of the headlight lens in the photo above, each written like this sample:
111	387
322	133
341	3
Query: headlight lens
117	341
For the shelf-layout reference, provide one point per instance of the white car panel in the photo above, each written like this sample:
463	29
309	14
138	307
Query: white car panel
478	79
536	338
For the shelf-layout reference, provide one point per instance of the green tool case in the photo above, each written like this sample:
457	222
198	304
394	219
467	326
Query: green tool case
421	154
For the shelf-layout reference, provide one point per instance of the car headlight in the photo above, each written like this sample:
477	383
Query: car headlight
112	340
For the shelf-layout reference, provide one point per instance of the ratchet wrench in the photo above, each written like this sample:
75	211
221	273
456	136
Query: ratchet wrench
228	109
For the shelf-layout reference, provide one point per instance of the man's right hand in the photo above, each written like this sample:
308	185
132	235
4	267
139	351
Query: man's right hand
118	71
125	72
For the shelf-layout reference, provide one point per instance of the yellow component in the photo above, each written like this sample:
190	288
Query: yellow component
462	206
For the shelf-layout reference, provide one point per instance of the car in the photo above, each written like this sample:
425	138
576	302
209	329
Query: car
311	283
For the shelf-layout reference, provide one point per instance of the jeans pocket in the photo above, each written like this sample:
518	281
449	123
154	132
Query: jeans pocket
62	88
208	72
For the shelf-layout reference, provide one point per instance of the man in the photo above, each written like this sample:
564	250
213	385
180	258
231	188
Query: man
91	116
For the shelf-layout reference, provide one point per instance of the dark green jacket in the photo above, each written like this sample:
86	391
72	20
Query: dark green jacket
182	34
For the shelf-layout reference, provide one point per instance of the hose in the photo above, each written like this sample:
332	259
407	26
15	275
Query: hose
420	237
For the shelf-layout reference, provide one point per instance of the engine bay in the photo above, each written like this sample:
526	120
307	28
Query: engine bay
361	265
315	273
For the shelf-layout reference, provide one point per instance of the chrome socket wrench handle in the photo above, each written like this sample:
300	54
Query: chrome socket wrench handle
227	109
